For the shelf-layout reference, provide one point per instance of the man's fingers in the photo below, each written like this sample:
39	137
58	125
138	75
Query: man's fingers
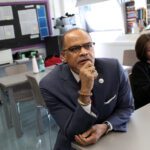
91	139
79	140
95	74
87	65
87	133
85	141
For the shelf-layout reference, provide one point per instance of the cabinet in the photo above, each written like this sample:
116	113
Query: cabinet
130	14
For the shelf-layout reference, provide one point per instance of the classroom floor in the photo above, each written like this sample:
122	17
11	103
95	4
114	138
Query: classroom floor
30	140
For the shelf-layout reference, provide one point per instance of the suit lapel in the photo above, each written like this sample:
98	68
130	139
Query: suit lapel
98	87
70	85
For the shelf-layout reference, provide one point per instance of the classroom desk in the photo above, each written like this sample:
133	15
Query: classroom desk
137	137
10	108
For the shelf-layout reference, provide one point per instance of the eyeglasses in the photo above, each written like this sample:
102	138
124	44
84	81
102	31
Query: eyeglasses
77	48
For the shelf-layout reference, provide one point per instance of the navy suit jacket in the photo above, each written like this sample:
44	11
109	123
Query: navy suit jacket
111	101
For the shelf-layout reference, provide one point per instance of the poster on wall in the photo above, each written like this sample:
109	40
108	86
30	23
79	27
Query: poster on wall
6	13
42	20
7	32
28	21
23	24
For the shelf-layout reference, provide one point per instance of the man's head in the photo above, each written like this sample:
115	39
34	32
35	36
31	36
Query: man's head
77	48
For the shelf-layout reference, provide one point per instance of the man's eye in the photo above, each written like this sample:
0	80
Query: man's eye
75	48
87	46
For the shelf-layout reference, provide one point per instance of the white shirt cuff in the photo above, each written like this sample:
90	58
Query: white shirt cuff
88	110
110	126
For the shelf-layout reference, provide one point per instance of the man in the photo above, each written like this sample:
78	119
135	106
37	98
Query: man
86	96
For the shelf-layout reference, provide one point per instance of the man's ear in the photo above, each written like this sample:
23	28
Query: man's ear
63	56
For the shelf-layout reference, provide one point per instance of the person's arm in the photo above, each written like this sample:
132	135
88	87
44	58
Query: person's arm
71	120
92	135
117	120
140	82
124	105
87	108
87	76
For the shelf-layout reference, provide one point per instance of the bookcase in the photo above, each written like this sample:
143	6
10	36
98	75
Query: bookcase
130	14
148	11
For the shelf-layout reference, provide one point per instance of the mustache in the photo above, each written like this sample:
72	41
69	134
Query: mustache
81	59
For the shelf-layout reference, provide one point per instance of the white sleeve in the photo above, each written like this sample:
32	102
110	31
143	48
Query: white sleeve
88	110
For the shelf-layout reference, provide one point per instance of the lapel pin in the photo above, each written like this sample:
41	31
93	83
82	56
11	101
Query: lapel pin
101	80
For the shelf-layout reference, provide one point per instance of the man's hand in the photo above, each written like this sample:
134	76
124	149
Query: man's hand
92	135
87	75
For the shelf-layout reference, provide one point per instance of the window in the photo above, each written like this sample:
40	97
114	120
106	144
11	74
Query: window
103	16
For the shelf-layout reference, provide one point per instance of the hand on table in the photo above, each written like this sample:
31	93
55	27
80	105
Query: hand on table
92	135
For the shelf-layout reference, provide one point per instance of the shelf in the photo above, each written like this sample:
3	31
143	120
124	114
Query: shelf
130	15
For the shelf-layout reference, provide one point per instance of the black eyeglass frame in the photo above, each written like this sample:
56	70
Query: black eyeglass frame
77	48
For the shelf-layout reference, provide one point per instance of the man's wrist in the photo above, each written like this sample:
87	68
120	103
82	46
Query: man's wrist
84	101
85	93
109	126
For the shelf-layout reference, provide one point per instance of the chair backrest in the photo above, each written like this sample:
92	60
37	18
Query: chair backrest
36	91
52	61
129	57
16	69
22	92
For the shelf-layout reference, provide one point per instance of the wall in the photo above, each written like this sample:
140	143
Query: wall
38	47
115	48
104	48
109	44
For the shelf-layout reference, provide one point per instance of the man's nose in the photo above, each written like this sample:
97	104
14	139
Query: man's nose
83	51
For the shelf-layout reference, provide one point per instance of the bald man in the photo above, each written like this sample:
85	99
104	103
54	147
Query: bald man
87	97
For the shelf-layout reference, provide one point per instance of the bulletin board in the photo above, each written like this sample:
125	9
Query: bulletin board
23	25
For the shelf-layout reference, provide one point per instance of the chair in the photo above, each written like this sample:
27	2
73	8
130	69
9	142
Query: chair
129	57
22	92
19	68
40	106
53	60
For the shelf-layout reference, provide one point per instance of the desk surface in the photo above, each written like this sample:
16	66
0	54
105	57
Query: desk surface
38	76
12	80
137	137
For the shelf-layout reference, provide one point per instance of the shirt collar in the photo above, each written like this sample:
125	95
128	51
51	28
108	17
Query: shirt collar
76	76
